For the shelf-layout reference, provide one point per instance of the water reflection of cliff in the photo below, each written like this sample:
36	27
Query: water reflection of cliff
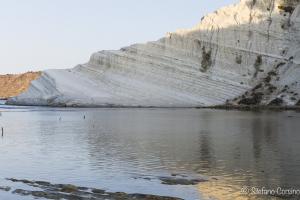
255	149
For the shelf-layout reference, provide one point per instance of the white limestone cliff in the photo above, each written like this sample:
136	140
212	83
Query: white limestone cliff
247	53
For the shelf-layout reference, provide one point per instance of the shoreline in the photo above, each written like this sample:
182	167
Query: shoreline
254	108
217	107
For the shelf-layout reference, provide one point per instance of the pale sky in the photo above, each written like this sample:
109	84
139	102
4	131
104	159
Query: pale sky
45	34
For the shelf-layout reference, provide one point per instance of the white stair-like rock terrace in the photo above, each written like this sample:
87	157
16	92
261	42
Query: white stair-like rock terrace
222	58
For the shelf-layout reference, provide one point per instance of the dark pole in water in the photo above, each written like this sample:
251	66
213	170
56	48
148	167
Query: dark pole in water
2	131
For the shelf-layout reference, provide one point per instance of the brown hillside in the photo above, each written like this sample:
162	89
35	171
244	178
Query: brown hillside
13	85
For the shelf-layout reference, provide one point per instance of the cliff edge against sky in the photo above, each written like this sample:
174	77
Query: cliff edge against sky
247	53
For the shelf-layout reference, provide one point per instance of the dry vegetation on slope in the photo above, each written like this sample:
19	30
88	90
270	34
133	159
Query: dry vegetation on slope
13	85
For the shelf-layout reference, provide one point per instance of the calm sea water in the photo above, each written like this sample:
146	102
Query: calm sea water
114	149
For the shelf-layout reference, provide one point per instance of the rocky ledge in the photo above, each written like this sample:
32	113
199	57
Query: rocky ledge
48	190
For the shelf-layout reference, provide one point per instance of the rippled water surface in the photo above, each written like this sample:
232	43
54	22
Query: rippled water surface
114	149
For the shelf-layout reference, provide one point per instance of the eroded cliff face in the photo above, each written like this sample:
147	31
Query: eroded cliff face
247	53
13	85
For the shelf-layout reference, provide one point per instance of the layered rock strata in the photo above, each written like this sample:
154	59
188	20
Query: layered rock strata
246	53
